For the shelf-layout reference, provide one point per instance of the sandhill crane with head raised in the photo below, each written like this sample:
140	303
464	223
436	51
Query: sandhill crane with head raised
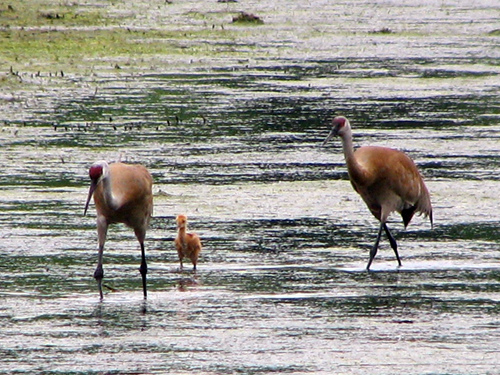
188	244
387	180
122	194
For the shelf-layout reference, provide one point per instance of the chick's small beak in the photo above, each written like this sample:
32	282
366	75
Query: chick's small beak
93	185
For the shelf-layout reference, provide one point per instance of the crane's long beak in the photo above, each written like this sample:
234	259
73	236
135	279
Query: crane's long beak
93	185
332	134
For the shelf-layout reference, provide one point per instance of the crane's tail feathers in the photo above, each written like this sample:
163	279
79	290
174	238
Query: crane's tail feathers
407	214
423	207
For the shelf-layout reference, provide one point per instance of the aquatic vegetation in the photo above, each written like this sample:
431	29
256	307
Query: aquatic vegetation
245	17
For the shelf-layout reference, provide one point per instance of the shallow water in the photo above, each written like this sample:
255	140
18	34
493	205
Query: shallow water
234	144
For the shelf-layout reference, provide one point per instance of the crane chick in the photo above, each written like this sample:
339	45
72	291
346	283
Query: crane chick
188	244
387	180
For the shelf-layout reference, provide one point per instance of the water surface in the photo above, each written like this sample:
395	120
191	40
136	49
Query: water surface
234	144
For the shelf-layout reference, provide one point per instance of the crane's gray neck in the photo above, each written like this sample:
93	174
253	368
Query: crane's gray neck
107	191
347	146
356	172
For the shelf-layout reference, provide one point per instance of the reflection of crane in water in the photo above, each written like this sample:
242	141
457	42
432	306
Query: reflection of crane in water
122	194
386	179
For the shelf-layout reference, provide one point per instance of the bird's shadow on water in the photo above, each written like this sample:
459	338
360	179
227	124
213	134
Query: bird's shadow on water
121	314
121	309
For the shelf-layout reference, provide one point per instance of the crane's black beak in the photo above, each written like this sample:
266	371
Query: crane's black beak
332	134
93	185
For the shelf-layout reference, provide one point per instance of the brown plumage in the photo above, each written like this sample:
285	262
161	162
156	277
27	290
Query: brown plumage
387	180
122	194
188	244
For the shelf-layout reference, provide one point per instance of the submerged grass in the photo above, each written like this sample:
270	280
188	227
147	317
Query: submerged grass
69	46
38	13
37	35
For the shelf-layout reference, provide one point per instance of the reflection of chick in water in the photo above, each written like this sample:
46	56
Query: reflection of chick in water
186	284
188	244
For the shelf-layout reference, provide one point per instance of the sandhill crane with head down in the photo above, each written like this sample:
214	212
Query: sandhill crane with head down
387	180
188	244
122	194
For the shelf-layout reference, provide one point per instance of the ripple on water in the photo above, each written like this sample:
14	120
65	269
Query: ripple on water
234	144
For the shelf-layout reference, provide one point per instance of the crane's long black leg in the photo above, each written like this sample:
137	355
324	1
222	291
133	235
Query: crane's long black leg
144	270
102	229
374	249
99	275
393	242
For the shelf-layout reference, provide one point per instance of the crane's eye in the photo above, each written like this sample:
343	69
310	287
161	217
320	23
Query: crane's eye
339	124
95	172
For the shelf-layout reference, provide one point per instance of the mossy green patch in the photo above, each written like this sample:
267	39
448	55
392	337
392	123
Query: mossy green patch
71	46
37	13
40	35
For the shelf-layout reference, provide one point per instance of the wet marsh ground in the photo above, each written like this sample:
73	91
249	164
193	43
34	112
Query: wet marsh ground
229	119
